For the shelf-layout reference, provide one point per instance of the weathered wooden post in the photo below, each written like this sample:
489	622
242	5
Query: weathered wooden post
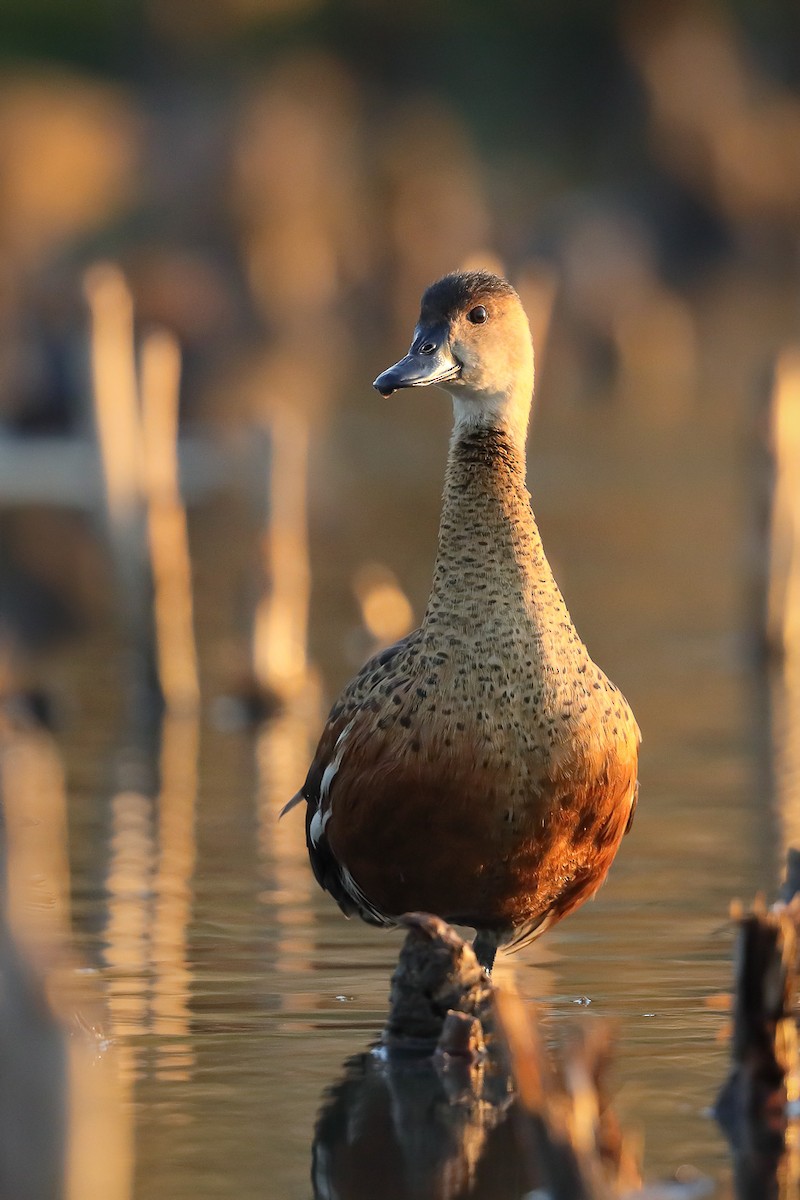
757	1106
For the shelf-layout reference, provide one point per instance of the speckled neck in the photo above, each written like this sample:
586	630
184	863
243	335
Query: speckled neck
491	572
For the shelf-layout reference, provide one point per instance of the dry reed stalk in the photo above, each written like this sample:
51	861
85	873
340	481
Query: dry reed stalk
116	409
280	661
166	523
782	632
115	399
783	585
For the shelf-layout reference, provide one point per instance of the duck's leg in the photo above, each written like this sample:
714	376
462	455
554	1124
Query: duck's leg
485	947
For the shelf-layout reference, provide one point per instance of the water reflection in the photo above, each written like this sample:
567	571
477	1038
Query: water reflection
784	688
149	886
408	1128
129	886
63	1132
173	894
283	752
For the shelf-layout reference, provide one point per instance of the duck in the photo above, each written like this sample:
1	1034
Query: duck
482	769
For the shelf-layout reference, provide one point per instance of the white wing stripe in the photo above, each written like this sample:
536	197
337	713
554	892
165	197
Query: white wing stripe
320	819
353	890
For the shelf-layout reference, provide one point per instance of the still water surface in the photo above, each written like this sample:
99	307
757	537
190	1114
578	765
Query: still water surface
238	992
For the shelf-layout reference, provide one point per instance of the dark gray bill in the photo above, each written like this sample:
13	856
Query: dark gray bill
421	367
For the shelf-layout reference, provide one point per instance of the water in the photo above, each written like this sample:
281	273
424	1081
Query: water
236	990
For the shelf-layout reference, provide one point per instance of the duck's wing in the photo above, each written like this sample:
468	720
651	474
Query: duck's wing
351	693
345	716
382	659
332	875
634	803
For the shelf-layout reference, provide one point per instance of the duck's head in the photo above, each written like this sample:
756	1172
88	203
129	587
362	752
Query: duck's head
472	339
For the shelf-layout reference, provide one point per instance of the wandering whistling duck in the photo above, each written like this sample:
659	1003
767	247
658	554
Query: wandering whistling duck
483	768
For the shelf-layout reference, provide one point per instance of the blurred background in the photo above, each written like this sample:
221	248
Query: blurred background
216	220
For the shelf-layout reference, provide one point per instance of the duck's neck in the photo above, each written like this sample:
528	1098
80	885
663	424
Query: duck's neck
491	572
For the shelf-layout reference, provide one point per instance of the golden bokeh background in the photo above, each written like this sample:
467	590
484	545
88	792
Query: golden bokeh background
216	219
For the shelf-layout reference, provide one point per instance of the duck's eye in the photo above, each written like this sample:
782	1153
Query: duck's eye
478	315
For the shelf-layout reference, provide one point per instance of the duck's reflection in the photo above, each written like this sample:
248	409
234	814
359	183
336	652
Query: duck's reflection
429	1111
404	1127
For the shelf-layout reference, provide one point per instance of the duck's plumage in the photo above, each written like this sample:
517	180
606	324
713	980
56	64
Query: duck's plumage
483	768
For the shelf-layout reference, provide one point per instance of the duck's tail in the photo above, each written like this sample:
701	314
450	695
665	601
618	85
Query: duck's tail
296	799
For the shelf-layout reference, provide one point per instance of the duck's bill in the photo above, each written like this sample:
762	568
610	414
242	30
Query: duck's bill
418	370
